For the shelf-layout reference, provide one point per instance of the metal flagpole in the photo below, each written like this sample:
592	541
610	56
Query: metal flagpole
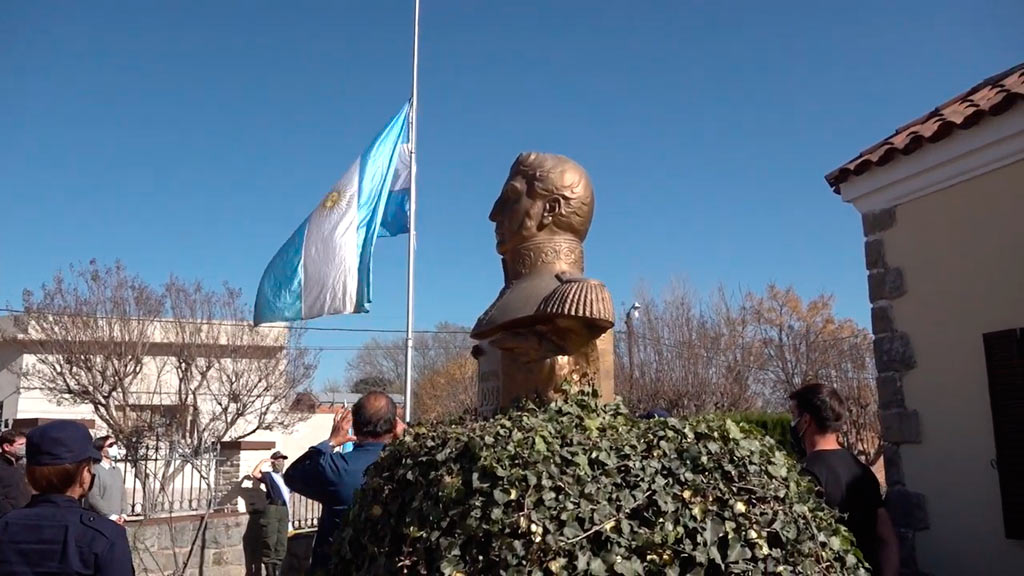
412	207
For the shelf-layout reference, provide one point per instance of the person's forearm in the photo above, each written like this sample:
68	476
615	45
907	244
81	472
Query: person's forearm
889	558
257	472
888	546
329	471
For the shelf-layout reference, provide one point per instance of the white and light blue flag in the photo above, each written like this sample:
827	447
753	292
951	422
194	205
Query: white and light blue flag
326	267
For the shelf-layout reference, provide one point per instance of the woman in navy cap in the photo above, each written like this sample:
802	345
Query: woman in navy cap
53	534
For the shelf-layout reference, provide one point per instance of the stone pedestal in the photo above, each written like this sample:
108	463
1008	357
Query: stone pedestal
504	377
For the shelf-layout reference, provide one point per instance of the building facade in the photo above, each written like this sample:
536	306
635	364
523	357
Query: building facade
941	202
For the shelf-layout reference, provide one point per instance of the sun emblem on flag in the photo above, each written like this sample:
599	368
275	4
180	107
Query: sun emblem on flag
332	199
337	199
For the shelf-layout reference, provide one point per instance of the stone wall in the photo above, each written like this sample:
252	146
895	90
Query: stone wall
227	546
894	357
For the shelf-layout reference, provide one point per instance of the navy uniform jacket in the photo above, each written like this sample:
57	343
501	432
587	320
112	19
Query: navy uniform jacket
53	534
14	490
332	479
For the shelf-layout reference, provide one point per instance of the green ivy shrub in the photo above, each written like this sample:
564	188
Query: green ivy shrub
577	487
773	425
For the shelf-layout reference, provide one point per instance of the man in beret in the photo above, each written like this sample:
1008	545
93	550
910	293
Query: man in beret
53	534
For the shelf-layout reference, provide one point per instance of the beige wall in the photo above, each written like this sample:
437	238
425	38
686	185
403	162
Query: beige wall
962	255
293	443
10	363
297	440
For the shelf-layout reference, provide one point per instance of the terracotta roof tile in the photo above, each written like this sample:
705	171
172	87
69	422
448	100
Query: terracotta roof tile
991	97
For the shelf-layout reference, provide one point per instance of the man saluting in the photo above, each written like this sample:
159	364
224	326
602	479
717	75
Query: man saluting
331	477
275	515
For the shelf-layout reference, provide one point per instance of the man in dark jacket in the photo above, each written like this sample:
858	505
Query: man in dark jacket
14	490
846	483
331	477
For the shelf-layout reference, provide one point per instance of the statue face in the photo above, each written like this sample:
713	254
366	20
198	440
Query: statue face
517	217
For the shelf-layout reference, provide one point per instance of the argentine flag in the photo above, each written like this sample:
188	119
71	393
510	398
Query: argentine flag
326	267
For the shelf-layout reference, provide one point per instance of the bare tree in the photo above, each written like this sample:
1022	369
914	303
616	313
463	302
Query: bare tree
689	355
806	342
376	384
171	371
729	353
89	332
164	385
378	358
231	379
446	377
444	372
333	385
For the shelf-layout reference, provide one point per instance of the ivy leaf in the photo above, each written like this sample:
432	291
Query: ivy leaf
737	550
625	568
572	530
516	494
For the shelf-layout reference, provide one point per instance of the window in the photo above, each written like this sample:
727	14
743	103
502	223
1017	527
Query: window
1004	358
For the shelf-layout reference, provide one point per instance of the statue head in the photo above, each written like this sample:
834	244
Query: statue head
545	196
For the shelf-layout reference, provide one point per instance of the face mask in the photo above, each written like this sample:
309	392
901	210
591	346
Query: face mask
277	467
797	437
19	453
114	452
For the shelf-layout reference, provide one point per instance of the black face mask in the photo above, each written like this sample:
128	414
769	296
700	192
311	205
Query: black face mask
797	438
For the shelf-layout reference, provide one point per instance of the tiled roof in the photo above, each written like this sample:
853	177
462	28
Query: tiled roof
991	97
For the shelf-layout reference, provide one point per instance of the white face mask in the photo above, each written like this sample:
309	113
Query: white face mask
114	452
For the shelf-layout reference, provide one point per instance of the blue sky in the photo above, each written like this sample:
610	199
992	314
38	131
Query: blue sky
193	137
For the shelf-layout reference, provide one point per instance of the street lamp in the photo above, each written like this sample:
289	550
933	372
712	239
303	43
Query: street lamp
631	315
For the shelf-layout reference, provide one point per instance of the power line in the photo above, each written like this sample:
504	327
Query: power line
691	345
237	324
733	364
358	348
674	345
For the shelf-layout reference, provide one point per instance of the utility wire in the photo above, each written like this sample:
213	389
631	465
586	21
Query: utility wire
236	324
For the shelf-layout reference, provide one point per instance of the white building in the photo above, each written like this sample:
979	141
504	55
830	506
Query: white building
23	348
24	405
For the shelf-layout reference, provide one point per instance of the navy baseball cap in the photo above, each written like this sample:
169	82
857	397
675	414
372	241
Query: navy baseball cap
655	414
59	442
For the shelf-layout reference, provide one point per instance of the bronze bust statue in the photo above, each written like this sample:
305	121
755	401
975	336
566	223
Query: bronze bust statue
549	323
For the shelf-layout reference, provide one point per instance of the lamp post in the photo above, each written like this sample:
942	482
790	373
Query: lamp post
631	315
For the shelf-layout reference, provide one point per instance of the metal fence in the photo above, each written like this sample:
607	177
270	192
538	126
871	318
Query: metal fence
160	487
156	487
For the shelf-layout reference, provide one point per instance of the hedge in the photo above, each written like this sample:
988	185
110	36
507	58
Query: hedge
577	487
774	425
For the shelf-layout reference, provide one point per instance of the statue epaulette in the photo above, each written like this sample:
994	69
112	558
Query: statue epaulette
579	297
